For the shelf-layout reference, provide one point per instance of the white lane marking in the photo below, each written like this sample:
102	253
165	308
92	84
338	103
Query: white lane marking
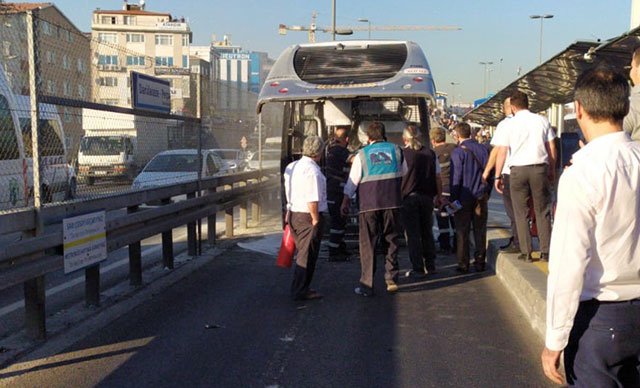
74	282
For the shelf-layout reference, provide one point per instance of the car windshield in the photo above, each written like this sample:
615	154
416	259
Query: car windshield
102	145
173	163
227	154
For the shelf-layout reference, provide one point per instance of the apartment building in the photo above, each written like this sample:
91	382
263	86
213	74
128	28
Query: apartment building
134	39
63	57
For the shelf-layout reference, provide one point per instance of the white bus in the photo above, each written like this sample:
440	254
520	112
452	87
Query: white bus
313	88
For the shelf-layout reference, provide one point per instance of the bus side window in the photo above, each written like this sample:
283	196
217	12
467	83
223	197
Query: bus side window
8	141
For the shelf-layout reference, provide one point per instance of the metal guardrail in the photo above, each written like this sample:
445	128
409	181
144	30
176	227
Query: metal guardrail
29	260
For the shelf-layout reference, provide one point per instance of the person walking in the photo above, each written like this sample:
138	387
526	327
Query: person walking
376	173
532	162
421	186
445	221
513	246
337	170
593	288
305	189
468	161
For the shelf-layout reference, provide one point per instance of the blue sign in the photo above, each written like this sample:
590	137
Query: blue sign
150	93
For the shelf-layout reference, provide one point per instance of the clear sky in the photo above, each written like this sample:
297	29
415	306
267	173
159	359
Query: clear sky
499	31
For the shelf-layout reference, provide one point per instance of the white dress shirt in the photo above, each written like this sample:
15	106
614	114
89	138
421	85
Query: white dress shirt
526	135
304	183
595	244
498	139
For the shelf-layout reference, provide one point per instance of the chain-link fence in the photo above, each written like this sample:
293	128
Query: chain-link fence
92	139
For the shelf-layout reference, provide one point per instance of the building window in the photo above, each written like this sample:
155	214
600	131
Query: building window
135	60
108	20
108	81
46	27
81	91
110	101
185	39
130	20
67	115
185	61
81	67
164	61
107	38
135	38
164	40
66	88
65	62
51	86
108	60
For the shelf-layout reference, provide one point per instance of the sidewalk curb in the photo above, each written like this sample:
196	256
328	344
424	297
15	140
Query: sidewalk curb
526	284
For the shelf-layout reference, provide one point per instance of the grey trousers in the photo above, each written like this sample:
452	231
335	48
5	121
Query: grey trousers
508	207
525	179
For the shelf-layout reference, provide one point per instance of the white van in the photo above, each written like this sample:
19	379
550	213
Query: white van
16	162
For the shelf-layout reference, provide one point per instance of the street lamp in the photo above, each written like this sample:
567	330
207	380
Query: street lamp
541	17
365	20
453	92
333	24
486	67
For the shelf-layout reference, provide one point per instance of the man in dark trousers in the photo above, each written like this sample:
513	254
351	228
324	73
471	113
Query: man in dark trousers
445	221
593	288
421	186
337	172
306	191
376	172
468	161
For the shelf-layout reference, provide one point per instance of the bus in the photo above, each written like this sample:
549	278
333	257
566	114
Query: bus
314	88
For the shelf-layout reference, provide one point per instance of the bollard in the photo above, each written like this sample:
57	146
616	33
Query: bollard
191	233
167	243
228	219
92	286
135	258
34	308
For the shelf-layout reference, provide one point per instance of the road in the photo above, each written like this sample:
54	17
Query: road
231	324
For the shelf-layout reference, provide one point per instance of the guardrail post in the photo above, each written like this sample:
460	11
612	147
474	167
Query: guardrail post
228	219
135	258
34	308
167	244
255	209
192	245
92	286
211	225
243	210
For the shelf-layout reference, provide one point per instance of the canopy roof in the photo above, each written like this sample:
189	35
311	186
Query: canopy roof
552	82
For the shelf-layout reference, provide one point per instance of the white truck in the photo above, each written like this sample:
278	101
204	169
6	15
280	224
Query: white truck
58	180
116	146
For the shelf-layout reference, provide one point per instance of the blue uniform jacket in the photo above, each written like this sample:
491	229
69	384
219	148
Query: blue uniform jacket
466	173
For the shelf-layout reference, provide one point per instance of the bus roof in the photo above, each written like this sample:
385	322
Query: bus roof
348	69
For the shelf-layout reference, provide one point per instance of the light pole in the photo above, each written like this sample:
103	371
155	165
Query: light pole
486	69
333	16
365	20
453	92
541	17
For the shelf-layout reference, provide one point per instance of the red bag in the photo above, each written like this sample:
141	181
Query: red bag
287	248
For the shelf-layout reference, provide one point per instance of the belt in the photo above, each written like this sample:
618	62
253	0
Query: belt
532	165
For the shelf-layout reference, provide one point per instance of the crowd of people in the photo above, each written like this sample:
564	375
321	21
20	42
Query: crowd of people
593	290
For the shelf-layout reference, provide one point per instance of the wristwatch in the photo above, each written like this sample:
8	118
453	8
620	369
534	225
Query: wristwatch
497	177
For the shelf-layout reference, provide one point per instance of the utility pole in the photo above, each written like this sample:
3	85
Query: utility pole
333	25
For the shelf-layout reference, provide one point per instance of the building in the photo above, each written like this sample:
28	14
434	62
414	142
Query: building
134	39
63	59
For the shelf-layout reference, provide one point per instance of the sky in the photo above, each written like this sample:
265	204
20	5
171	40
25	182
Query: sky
498	31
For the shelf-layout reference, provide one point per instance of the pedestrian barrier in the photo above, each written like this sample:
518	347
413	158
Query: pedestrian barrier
129	220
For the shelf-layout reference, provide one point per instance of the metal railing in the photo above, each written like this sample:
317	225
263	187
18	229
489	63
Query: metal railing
29	260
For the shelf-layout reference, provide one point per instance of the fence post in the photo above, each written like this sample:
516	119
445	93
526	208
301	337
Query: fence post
228	218
92	286
191	233
167	244
34	306
135	258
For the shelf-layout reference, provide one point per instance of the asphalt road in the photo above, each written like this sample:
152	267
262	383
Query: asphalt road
231	324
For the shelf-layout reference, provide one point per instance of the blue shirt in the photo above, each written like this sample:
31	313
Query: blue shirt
466	172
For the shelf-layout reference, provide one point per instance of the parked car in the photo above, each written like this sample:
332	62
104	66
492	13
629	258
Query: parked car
179	166
270	159
232	156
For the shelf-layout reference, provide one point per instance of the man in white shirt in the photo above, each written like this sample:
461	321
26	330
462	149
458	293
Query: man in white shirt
306	190
631	123
593	290
502	177
532	160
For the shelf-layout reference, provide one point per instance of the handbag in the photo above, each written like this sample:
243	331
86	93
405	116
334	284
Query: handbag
288	243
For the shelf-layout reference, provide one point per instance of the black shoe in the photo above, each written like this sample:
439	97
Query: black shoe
363	291
416	274
507	245
335	255
544	257
462	269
